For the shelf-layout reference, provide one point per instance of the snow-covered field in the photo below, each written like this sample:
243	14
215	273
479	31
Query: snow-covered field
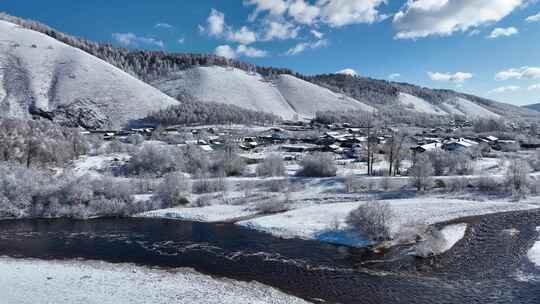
50	73
78	282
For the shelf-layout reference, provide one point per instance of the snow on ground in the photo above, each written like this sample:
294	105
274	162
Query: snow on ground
307	222
77	282
453	234
50	73
534	252
419	104
214	213
303	223
229	86
94	165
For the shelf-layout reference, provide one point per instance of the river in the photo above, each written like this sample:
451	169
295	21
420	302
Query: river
480	269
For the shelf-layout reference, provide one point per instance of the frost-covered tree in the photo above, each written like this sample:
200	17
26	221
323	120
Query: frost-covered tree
272	165
318	165
372	219
517	177
422	173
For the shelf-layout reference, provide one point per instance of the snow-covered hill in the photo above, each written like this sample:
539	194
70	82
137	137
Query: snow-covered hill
229	86
534	107
284	95
452	106
39	74
307	98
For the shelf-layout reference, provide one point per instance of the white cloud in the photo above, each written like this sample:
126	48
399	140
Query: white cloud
504	89
163	25
503	32
335	13
181	40
301	47
317	34
394	76
242	50
519	73
280	30
534	87
130	39
243	36
216	23
474	32
274	7
303	12
533	18
225	51
251	51
458	77
349	72
423	18
218	28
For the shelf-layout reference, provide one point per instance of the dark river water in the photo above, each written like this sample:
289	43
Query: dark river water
480	269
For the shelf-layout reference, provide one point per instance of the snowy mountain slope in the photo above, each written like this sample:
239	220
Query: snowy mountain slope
42	75
419	105
398	96
229	86
307	98
285	95
534	107
468	108
453	106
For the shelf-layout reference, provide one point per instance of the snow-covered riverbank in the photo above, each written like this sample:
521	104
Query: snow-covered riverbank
37	281
311	220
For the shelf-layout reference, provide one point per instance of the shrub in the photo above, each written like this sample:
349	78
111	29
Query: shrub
272	165
458	184
318	165
488	184
155	160
372	219
272	205
28	193
174	190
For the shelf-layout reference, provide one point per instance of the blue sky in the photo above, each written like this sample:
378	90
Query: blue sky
486	47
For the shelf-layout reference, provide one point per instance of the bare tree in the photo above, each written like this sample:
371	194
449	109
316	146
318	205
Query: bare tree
372	219
394	151
422	173
517	177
